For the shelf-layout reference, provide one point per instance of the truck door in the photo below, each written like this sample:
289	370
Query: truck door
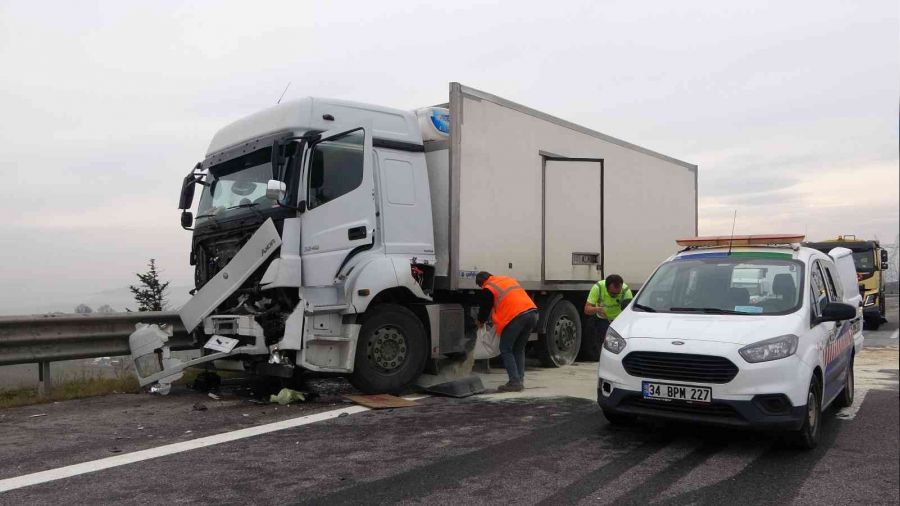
340	203
573	219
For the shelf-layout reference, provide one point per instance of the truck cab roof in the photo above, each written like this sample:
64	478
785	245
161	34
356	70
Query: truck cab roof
309	115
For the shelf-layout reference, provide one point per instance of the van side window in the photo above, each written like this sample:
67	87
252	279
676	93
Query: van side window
833	283
817	283
335	168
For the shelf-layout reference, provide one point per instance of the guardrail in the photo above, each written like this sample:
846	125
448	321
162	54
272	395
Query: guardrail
43	339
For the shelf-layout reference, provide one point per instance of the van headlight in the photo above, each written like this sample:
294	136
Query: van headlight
613	341
770	349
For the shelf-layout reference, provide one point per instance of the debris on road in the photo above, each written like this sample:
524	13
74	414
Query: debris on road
381	401
287	396
200	407
37	415
214	396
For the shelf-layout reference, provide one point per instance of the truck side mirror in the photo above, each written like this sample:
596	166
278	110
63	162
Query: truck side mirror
187	219
187	192
884	257
275	190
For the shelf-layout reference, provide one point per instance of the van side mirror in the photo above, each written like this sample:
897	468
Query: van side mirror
187	219
275	190
884	257
836	312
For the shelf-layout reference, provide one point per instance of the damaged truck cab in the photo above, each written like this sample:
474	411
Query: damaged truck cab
311	213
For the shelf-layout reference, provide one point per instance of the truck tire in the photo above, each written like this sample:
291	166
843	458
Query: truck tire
845	398
390	352
560	344
590	341
808	436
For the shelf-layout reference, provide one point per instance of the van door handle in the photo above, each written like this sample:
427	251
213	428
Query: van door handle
356	233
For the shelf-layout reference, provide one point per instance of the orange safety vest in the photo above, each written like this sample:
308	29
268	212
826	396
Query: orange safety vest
510	300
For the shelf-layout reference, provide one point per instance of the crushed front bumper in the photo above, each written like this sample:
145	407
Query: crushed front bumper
152	354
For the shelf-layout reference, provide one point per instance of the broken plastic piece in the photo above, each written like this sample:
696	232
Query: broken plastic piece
287	396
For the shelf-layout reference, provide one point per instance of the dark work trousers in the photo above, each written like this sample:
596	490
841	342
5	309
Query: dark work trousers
513	341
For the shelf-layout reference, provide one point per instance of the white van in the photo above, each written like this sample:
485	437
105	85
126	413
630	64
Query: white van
748	331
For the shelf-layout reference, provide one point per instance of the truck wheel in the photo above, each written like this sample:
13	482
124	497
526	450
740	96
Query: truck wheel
390	350
590	342
872	323
560	344
808	436
846	396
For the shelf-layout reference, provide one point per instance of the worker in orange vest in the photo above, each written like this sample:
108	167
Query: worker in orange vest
515	317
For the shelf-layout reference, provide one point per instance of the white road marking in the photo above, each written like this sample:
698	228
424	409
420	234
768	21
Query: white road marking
895	334
849	413
161	451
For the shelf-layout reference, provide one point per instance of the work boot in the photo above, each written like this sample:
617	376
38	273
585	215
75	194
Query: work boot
512	386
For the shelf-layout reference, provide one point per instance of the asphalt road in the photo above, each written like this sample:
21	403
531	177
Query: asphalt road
480	450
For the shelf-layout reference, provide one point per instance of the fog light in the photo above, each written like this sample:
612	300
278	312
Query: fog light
607	388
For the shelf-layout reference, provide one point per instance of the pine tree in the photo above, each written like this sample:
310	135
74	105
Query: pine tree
150	295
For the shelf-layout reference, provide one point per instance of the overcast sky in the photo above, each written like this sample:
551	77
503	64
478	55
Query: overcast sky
789	108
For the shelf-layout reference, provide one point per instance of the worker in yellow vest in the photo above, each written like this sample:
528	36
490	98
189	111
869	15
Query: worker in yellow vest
606	300
515	316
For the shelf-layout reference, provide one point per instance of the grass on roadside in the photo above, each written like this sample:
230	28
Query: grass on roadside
86	385
74	388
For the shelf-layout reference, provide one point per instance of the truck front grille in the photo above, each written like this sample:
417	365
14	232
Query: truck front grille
679	367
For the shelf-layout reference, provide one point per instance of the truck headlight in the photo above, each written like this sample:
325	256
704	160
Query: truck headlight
870	300
770	349
613	341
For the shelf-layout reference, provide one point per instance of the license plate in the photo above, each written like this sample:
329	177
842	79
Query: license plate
670	392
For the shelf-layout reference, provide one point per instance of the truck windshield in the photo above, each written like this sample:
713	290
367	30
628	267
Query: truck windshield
864	261
236	185
736	284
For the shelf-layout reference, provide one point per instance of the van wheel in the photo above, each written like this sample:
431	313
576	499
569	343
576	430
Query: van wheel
560	344
808	436
390	351
846	396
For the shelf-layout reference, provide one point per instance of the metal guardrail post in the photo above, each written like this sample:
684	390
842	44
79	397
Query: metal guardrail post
46	382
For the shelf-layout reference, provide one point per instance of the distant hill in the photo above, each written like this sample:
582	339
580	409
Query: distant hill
117	298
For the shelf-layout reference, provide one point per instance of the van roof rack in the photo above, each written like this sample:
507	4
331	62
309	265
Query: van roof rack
718	241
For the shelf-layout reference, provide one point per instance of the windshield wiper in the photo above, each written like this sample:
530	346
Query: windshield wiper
707	310
211	217
643	307
247	205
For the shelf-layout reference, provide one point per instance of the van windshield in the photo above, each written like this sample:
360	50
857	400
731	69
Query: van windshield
715	283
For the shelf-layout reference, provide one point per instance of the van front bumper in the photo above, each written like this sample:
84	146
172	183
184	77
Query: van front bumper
763	411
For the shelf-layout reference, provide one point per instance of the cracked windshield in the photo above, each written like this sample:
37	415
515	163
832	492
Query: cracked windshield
237	184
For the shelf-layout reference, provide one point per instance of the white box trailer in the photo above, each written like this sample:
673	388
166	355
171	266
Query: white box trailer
556	205
344	237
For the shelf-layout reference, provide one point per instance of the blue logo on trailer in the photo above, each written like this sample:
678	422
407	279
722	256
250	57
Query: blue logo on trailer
441	121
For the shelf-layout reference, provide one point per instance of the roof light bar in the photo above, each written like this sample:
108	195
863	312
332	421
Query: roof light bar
741	240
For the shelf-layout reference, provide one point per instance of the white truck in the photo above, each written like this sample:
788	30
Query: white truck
345	237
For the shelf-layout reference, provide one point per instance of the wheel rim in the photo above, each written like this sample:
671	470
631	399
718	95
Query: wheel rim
812	412
564	336
387	350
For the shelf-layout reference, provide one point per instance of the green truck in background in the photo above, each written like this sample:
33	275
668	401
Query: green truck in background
871	261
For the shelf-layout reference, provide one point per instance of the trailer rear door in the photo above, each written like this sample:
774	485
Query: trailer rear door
573	218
